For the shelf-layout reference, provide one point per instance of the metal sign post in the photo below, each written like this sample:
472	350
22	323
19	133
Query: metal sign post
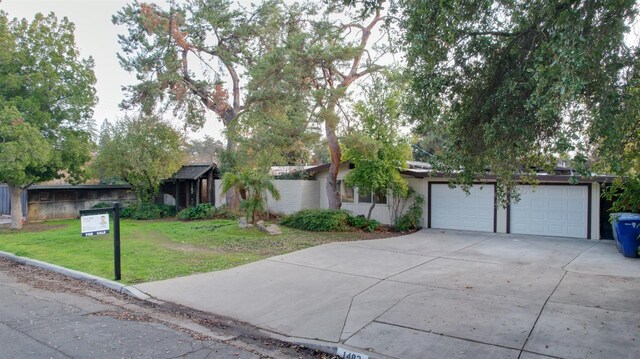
96	222
116	239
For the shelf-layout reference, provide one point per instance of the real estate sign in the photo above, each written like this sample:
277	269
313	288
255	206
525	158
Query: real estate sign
94	225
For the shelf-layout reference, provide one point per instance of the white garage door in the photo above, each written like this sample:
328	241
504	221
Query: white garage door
454	209
551	211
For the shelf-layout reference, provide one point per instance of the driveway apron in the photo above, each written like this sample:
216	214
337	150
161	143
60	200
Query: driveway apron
435	294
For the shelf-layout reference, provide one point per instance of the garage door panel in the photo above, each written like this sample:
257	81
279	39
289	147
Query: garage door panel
574	217
555	228
556	204
575	206
553	191
554	217
536	204
451	208
551	210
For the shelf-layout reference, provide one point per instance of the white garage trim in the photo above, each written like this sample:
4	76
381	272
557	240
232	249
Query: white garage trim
452	208
552	210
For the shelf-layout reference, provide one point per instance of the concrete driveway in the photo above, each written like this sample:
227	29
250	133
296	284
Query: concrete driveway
436	294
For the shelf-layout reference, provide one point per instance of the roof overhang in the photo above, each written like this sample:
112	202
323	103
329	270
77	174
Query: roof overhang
80	186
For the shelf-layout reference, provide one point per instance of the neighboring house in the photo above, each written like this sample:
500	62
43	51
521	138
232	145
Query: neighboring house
60	200
553	208
190	186
57	199
279	171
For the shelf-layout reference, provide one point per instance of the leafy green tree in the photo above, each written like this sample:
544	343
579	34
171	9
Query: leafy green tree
142	151
616	139
516	83
205	150
252	186
190	57
328	48
426	145
278	127
104	138
46	99
274	132
376	147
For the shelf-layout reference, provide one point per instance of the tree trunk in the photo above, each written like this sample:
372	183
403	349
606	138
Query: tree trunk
16	207
330	123
253	216
373	204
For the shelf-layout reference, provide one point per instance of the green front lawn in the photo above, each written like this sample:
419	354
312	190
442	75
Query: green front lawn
155	250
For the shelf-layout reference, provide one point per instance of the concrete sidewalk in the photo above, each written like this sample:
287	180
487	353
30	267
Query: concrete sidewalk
436	294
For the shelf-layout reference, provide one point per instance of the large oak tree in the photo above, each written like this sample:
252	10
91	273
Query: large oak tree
518	83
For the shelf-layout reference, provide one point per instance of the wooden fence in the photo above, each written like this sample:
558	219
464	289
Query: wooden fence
5	200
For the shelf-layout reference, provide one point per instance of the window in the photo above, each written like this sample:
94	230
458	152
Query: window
380	197
346	192
364	196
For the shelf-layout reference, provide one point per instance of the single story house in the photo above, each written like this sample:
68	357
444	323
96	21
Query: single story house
553	208
58	199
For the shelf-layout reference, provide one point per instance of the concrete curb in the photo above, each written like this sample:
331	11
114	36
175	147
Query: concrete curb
326	347
323	346
118	287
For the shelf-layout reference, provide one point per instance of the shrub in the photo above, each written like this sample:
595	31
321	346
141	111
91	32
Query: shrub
127	211
411	219
224	213
147	211
363	223
318	220
326	220
201	211
205	211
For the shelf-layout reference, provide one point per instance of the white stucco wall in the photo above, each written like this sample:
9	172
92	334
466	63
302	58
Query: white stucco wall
381	212
420	186
294	196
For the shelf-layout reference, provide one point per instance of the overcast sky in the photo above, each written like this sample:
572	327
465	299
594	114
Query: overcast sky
96	36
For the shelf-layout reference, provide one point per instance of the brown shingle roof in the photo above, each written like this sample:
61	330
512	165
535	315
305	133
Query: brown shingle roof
192	172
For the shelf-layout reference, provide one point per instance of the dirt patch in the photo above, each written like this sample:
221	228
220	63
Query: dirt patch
190	248
383	232
124	315
50	281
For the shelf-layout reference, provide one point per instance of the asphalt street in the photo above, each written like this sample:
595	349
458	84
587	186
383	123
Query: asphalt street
44	315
